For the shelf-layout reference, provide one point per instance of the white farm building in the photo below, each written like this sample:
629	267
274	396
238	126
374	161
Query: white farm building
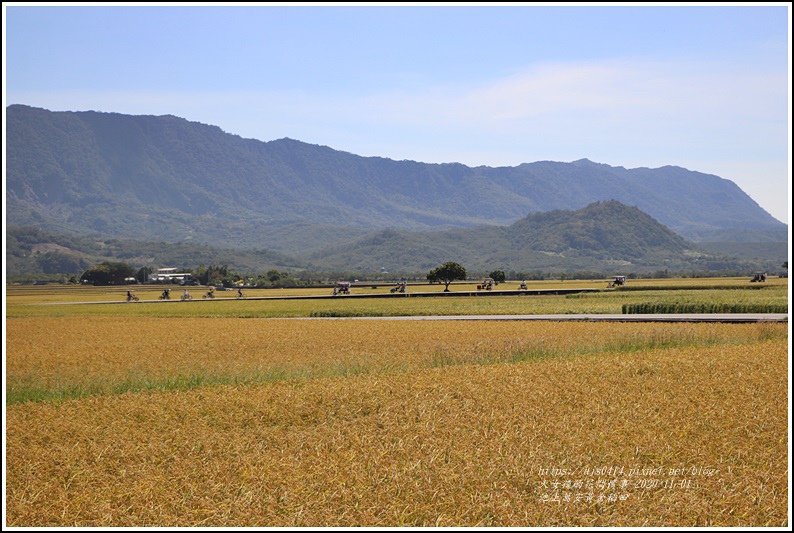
169	274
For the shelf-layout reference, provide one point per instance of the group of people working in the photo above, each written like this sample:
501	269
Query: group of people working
166	295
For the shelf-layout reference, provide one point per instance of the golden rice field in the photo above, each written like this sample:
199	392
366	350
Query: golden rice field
212	421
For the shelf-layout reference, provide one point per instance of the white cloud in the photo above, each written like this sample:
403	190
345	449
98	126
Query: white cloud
612	91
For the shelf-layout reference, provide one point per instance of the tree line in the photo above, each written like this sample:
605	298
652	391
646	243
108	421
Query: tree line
120	273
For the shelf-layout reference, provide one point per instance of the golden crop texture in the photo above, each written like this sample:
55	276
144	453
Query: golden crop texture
48	358
406	423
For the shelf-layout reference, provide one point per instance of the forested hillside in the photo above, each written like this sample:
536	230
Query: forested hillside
163	178
30	251
604	237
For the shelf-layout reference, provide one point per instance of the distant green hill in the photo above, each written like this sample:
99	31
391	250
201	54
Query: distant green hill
605	230
163	178
604	237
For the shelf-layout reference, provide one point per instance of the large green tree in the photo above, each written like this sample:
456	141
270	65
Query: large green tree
211	275
143	274
446	274
498	276
108	273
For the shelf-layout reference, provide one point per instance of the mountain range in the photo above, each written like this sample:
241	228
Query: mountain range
163	178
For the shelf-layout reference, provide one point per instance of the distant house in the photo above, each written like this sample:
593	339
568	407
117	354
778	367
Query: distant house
169	275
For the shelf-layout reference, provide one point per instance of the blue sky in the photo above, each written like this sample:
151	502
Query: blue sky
705	87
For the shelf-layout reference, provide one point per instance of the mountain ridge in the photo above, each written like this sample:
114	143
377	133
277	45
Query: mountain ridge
166	178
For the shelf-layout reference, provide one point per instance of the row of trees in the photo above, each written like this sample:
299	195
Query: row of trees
109	273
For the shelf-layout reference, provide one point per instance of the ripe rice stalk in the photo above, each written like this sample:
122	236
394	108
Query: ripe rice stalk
677	437
67	357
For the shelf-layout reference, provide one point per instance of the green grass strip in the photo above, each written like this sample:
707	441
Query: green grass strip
700	308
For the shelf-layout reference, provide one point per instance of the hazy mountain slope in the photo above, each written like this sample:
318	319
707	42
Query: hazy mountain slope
30	251
165	178
606	237
692	203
